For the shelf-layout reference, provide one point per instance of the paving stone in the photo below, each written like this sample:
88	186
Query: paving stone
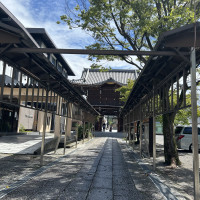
106	162
73	195
122	180
105	167
79	185
100	194
117	172
130	197
100	182
86	176
127	187
119	167
28	143
107	156
104	174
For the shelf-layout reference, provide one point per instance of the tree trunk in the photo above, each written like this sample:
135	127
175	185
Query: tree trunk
170	147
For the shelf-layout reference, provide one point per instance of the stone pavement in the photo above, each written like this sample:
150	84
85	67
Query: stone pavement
103	168
22	144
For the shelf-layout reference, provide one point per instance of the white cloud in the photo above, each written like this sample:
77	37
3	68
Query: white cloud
78	62
44	14
19	9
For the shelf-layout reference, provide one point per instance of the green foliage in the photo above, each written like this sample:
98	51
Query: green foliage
125	90
88	132
80	131
159	118
182	117
126	24
100	67
22	129
110	122
98	118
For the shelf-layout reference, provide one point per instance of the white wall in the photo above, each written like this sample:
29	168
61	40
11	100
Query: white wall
26	118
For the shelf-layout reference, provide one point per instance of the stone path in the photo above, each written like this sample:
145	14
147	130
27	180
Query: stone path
22	144
103	169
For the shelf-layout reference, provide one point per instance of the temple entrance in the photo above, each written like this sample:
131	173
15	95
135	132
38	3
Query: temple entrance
100	89
110	123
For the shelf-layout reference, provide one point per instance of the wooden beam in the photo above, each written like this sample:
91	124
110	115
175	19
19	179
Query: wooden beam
8	38
92	51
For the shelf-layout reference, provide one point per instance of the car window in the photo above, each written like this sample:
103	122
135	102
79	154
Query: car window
187	130
198	131
178	130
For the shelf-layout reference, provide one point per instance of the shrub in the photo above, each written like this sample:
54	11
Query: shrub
22	128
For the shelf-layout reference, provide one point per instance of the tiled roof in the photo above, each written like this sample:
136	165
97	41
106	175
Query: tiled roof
97	77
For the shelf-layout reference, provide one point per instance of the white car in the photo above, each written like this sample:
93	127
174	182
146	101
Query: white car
184	137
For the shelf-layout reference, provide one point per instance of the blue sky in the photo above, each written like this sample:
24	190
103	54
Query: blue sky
44	14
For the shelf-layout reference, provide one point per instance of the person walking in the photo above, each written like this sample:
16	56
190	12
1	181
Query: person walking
104	127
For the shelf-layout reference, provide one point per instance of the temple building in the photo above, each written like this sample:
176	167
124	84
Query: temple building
99	87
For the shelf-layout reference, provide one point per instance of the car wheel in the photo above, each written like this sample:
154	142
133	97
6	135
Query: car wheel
190	148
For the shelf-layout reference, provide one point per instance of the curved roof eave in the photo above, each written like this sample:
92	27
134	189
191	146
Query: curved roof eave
29	39
24	32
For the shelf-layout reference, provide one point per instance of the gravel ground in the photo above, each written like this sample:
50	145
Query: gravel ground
103	168
14	167
180	178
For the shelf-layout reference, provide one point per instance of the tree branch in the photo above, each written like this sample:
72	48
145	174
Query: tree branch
130	62
158	7
149	42
164	7
130	40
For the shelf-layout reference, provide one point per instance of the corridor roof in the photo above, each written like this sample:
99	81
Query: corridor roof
35	65
157	68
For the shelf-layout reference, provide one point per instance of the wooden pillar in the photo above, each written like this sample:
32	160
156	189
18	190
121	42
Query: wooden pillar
83	131
151	136
154	130
194	125
44	129
100	124
67	127
129	127
57	131
141	132
140	110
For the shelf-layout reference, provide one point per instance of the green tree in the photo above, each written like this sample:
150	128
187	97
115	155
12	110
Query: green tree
127	24
184	115
132	25
125	90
